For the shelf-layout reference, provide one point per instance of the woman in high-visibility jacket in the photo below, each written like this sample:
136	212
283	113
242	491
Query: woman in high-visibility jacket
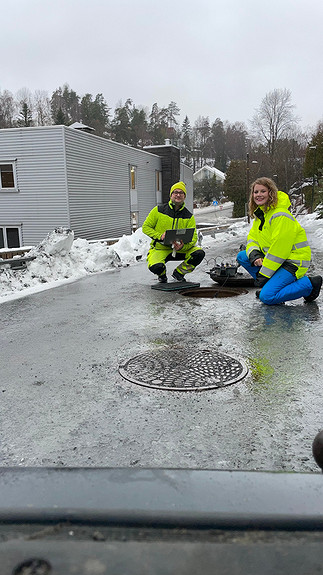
277	254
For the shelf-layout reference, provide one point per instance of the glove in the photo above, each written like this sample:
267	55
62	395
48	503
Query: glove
260	281
255	255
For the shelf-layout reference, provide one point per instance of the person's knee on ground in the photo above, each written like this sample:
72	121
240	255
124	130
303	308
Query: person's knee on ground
265	298
158	269
196	258
189	265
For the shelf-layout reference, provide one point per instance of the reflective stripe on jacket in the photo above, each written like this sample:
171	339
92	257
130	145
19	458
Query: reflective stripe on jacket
165	217
281	239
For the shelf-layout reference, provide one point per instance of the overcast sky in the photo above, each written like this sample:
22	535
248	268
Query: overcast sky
213	58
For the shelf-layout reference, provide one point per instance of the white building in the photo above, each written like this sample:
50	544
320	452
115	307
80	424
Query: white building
206	172
59	176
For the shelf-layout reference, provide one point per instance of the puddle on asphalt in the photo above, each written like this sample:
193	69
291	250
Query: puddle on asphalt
283	348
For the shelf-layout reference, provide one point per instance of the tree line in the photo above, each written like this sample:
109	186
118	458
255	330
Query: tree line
273	144
128	124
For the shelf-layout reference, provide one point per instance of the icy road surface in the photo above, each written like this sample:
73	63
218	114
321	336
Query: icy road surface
64	403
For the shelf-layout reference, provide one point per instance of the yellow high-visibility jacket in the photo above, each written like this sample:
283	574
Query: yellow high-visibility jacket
165	217
278	237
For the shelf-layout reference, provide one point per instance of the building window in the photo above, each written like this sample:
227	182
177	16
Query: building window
10	237
158	187
133	177
7	176
158	181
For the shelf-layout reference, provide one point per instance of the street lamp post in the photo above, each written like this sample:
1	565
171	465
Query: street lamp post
248	185
195	158
313	184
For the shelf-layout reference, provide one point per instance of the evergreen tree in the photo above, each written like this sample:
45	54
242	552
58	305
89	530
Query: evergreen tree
95	113
68	101
158	123
186	142
59	119
138	128
235	141
207	190
235	188
314	154
286	164
172	124
25	118
72	104
313	168
218	147
121	128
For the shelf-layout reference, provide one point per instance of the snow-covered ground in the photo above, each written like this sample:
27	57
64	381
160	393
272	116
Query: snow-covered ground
60	258
211	214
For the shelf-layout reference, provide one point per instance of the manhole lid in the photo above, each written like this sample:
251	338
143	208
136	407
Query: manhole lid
179	369
213	292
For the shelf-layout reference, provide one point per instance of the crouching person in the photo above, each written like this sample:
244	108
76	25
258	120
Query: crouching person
172	215
277	254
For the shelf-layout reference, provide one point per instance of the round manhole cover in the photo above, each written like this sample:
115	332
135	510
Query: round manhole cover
178	369
211	292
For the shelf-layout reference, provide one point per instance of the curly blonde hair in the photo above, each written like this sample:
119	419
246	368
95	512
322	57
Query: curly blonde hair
272	198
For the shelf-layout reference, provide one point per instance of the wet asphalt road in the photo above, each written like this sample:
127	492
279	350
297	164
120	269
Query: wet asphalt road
64	402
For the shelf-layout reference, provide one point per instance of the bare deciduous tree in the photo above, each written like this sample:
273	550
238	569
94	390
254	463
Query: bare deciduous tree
7	109
274	119
42	108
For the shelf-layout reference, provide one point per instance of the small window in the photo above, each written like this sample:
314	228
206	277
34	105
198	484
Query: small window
7	176
158	181
10	237
13	237
133	177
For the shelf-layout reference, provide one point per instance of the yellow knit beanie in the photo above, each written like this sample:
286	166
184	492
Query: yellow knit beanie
178	186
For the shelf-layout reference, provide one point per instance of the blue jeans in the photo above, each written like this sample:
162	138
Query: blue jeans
282	286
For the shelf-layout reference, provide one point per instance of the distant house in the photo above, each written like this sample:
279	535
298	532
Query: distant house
59	176
83	127
206	172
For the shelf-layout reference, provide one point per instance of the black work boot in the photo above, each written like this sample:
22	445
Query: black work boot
316	282
178	276
162	279
258	293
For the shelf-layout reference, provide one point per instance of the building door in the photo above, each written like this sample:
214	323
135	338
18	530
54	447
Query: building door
134	212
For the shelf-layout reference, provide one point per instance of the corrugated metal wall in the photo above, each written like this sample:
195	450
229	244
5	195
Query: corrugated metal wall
41	203
98	180
73	179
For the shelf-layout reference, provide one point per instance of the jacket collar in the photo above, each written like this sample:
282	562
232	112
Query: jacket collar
259	213
172	206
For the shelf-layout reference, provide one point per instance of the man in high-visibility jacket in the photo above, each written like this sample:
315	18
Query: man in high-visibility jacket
172	215
277	254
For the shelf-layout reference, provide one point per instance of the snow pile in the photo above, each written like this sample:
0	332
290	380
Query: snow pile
60	258
58	242
313	226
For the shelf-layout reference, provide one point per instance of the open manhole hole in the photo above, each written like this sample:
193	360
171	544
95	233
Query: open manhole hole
179	369
213	292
